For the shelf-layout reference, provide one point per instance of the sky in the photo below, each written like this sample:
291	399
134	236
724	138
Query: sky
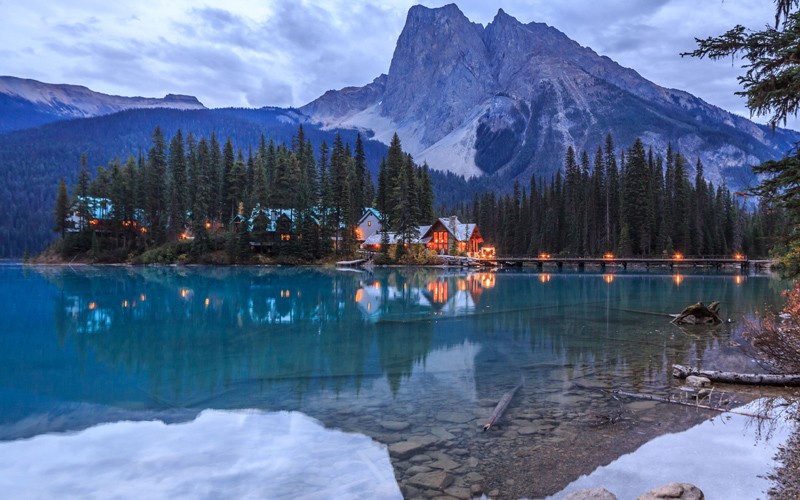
289	52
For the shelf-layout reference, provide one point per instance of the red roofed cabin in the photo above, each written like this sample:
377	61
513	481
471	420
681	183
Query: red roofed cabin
446	231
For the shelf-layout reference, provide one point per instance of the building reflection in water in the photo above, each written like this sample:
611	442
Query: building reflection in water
194	334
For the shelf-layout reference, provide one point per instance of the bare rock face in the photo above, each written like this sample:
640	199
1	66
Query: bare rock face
505	100
682	491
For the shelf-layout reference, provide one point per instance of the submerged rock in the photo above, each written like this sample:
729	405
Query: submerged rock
591	494
394	426
696	381
681	491
438	480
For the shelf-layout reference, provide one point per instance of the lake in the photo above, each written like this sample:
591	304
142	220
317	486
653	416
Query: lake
323	383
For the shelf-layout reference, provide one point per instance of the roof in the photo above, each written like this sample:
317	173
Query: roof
99	208
370	211
461	231
272	215
376	239
395	238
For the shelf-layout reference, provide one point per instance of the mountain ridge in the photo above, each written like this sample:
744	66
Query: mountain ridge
26	103
505	100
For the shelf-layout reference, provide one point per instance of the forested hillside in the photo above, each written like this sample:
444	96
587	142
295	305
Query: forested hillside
34	160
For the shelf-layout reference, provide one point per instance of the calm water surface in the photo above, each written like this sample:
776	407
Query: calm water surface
284	383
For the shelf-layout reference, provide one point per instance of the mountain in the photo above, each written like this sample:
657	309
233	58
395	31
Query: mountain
29	103
503	102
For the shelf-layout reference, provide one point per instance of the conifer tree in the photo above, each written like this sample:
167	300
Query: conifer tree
178	189
62	209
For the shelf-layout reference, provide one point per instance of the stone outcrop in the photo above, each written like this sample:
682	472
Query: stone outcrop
506	99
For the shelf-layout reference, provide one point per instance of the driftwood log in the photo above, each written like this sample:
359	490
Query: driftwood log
660	399
680	371
500	408
699	313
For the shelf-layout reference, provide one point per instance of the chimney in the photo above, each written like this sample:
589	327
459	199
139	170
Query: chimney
453	222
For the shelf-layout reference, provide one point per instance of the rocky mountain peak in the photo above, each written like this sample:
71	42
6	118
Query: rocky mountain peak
506	100
437	49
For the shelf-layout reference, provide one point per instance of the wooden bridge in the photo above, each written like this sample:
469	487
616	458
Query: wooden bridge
624	262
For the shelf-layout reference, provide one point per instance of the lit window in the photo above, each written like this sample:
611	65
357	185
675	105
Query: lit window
369	223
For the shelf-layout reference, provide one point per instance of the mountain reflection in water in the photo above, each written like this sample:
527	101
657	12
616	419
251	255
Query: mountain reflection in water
399	355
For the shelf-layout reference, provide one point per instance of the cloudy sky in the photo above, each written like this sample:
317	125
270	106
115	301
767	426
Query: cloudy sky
288	52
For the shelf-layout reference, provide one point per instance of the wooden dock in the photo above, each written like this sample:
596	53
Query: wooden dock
351	263
624	262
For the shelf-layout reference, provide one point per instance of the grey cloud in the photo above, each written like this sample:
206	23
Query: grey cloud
270	93
78	29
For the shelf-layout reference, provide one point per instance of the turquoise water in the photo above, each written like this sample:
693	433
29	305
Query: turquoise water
415	359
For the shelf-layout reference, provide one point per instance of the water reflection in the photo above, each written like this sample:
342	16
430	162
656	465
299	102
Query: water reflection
195	332
427	348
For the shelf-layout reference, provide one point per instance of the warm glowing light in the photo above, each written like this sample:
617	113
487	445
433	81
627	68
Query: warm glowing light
185	292
678	256
92	306
144	230
359	295
738	256
738	279
487	280
544	278
544	255
369	306
377	284
124	303
678	279
208	301
608	278
462	285
143	297
208	225
439	291
608	256
487	253
93	222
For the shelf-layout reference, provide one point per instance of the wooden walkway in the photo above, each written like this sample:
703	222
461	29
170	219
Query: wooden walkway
624	262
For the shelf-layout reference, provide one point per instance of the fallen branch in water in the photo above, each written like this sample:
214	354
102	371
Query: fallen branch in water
680	371
661	399
500	408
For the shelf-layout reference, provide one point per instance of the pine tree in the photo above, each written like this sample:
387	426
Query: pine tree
155	179
62	209
227	192
178	189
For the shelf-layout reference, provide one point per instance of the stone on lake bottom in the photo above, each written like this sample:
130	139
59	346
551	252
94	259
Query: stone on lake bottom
446	464
406	449
454	417
591	494
696	381
442	433
438	480
416	469
418	459
394	426
460	493
679	491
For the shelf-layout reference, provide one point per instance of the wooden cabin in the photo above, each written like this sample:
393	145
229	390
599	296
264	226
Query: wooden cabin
449	233
370	223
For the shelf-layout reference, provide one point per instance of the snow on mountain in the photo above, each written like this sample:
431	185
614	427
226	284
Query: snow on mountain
506	100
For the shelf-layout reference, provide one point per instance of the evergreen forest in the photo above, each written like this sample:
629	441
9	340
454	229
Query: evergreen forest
632	202
208	189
